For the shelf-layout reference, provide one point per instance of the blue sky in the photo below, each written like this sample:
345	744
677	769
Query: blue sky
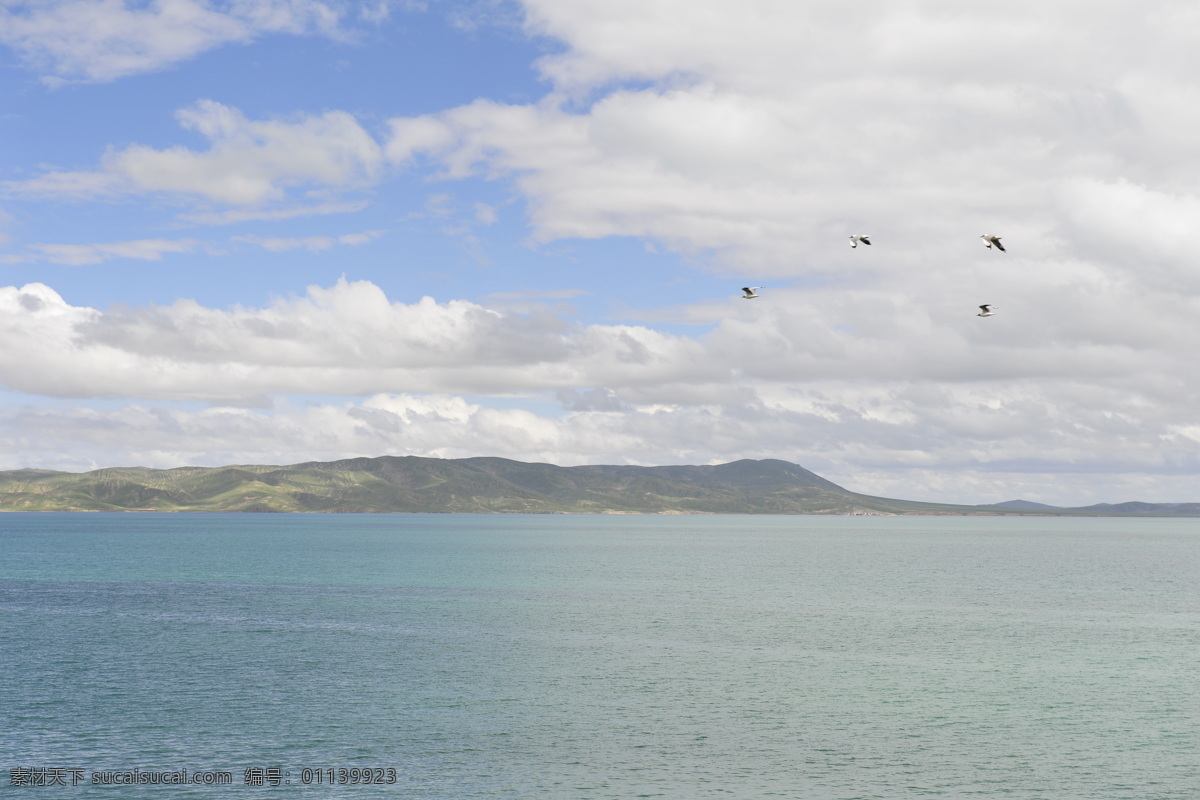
269	231
405	65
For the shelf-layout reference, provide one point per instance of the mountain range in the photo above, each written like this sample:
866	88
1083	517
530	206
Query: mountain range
488	485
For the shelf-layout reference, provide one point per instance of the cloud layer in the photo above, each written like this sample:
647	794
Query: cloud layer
769	127
773	378
951	460
352	339
349	339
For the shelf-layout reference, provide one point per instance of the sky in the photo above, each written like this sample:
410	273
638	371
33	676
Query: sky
276	231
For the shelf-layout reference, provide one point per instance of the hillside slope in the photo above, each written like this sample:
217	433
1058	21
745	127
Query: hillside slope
470	485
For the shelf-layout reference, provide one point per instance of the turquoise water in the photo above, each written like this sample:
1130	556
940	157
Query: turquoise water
605	656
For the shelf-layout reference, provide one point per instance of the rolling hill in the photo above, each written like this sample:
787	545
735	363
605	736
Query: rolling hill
479	485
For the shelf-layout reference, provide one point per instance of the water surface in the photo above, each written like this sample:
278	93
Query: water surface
607	656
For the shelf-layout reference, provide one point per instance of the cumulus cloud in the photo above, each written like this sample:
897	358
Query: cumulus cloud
765	44
103	40
248	163
795	376
351	338
348	339
770	129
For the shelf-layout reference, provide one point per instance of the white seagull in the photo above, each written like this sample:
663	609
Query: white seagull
750	292
985	310
854	240
989	240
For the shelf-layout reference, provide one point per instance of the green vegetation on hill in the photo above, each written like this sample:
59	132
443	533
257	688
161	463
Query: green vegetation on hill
470	485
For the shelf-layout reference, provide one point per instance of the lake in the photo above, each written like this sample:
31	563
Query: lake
456	657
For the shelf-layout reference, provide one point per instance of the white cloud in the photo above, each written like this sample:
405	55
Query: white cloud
278	244
249	163
239	215
413	135
349	339
376	13
798	375
252	162
485	214
770	129
68	184
281	245
355	239
78	254
1145	231
766	44
103	40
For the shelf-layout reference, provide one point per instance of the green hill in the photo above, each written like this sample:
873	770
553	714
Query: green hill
474	485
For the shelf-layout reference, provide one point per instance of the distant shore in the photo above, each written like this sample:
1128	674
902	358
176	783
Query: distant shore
412	484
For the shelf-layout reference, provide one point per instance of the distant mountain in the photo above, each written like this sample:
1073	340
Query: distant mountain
469	485
1028	505
1134	508
1142	509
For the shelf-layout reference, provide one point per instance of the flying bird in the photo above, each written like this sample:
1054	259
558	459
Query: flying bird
750	292
854	240
989	240
985	310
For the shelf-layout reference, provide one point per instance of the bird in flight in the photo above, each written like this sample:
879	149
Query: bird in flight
750	292
985	310
989	240
854	240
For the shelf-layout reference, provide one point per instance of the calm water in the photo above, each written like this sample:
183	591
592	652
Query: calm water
605	657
